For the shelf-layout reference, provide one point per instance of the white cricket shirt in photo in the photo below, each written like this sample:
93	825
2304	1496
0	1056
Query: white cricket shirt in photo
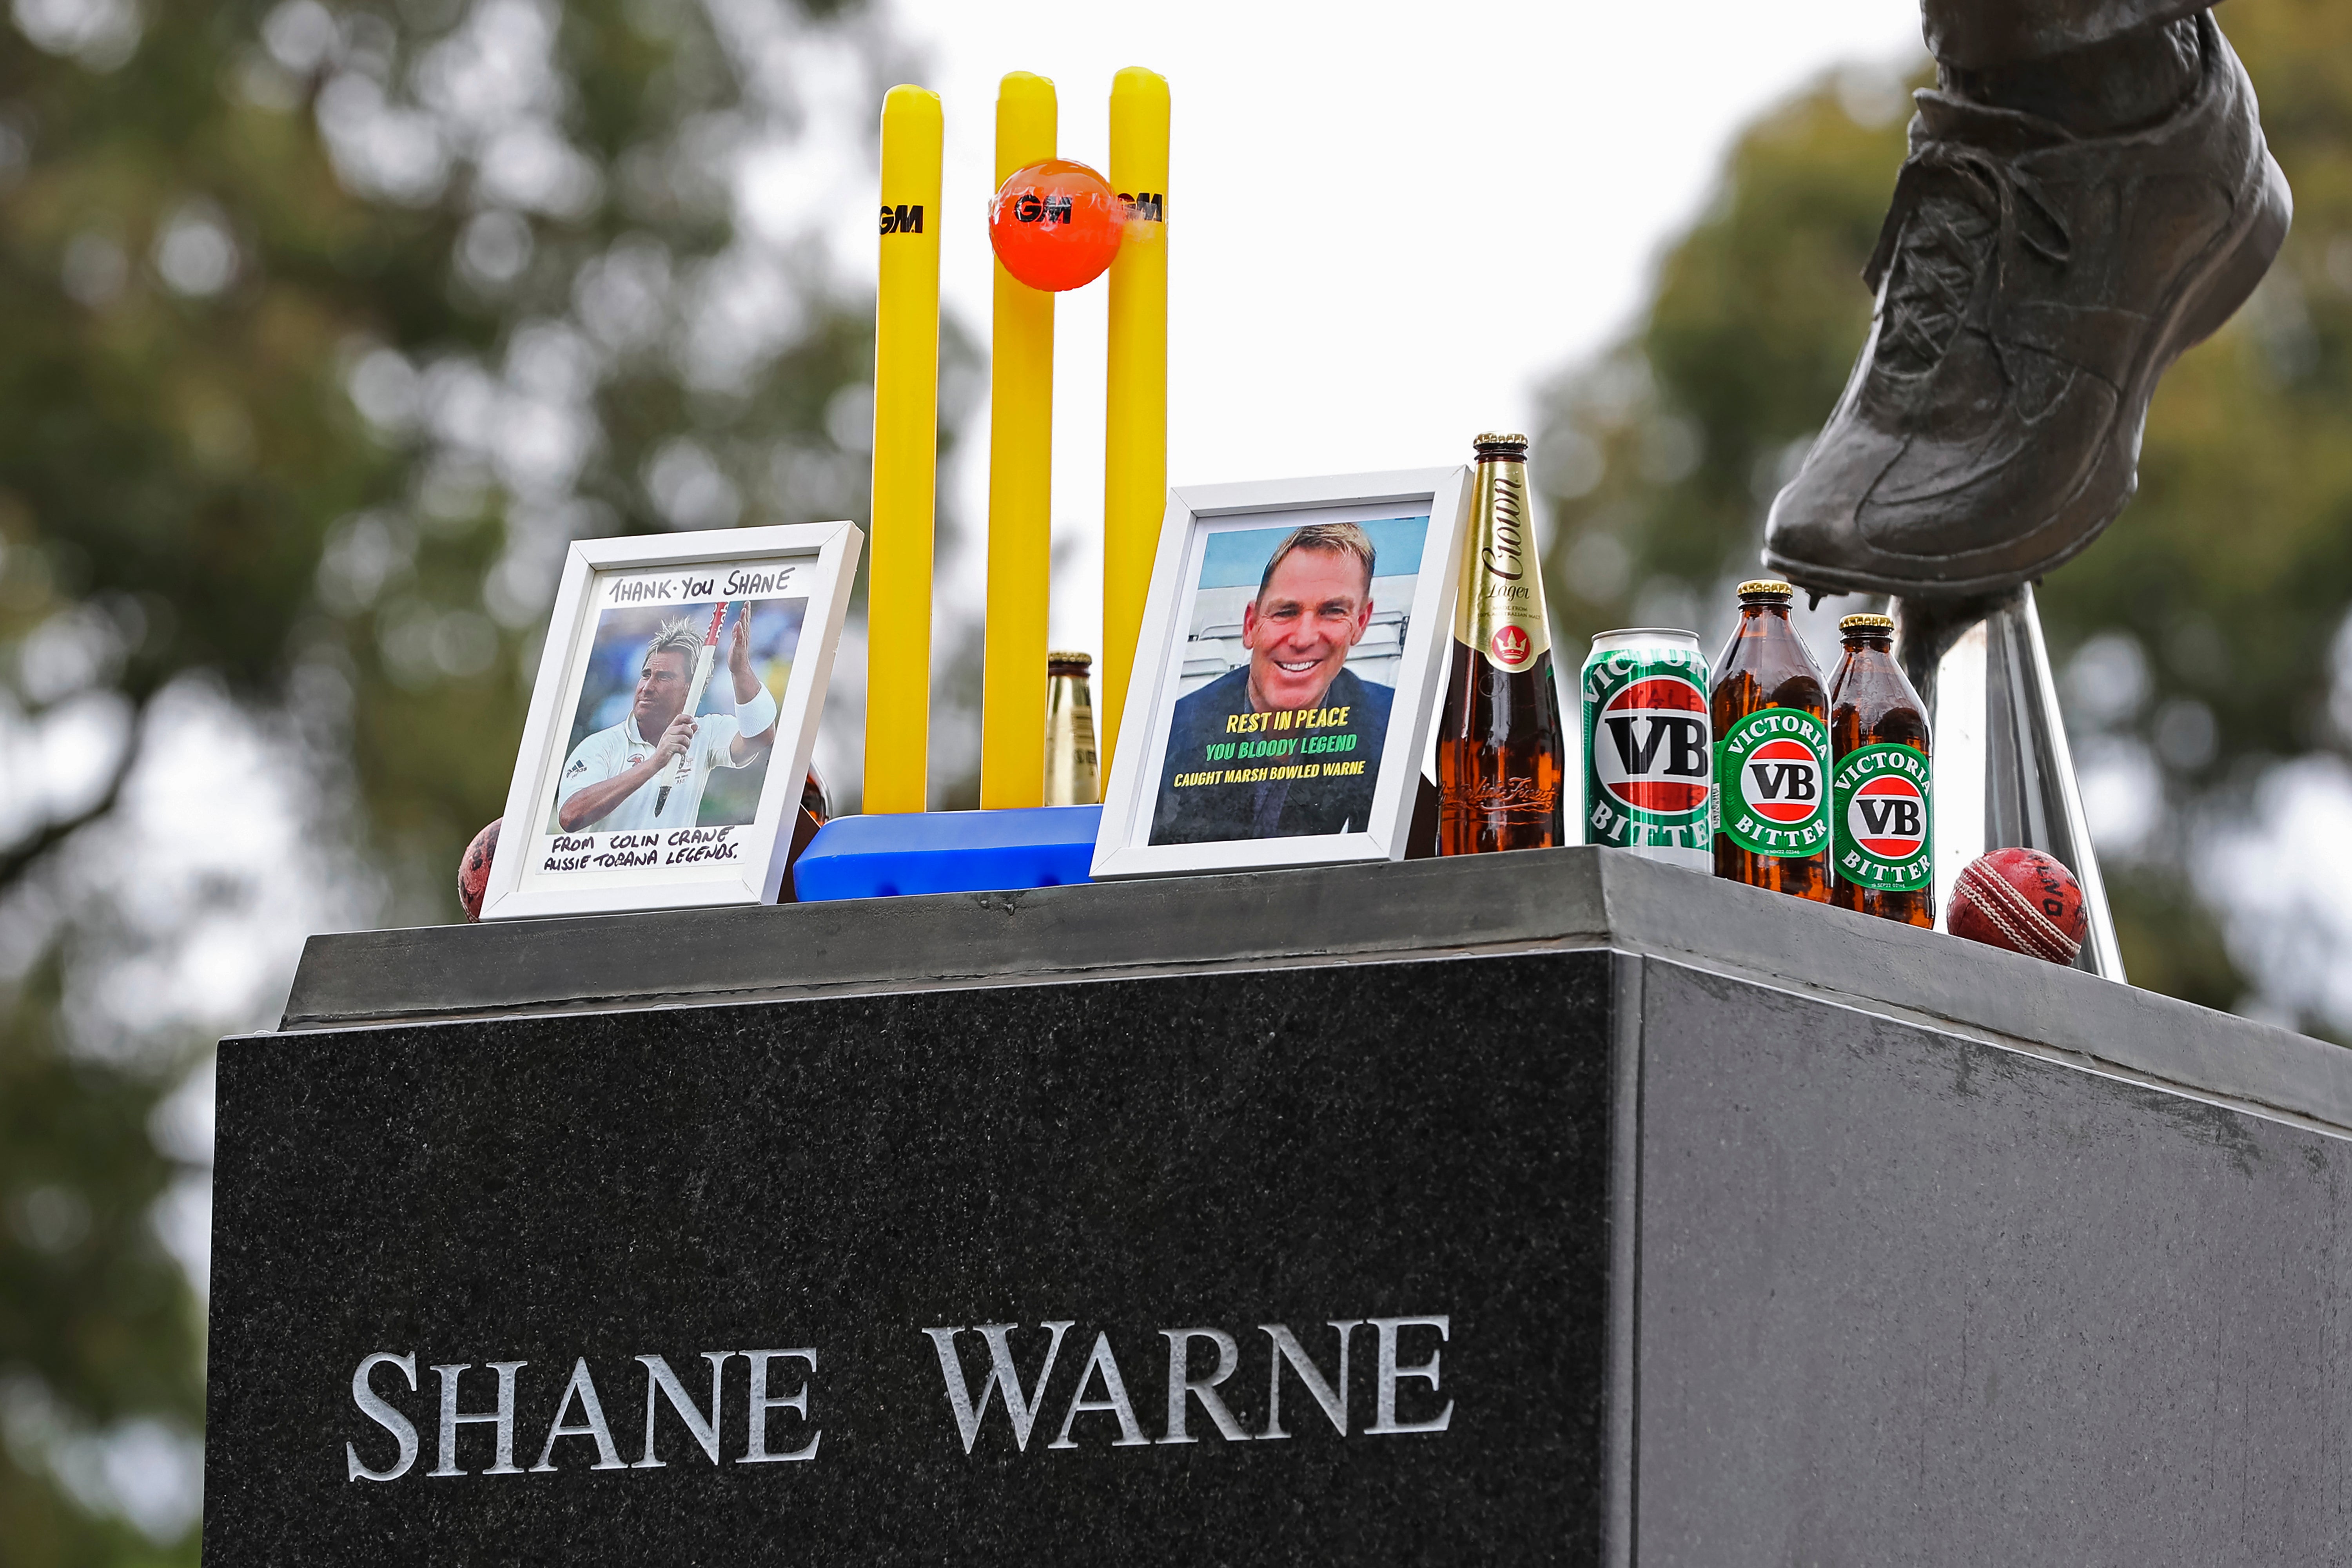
609	753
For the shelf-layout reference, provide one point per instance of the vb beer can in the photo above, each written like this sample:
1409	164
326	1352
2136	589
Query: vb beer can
1649	747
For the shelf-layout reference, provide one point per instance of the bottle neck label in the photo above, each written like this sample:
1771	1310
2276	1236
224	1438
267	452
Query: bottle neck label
1499	610
1772	768
1881	797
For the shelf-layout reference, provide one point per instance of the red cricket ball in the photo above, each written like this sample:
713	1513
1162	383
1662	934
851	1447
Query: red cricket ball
474	871
1056	224
2022	900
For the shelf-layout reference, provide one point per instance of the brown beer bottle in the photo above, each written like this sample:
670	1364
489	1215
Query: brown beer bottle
1500	760
1882	858
1771	752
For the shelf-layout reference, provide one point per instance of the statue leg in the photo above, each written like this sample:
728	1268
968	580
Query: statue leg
2088	194
1976	35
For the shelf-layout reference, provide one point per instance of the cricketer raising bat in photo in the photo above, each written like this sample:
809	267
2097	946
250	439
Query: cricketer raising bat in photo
649	769
703	661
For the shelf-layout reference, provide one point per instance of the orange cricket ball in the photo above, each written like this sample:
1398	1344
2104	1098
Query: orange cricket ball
1055	225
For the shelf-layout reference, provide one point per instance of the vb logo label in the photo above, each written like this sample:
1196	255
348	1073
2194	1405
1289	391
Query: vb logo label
1651	749
1781	781
1774	769
1888	816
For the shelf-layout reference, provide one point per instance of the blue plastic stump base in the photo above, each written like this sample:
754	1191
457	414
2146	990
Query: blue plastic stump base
948	852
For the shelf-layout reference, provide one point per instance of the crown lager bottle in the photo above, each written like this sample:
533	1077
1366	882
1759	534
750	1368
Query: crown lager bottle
1771	752
1881	811
1069	731
1499	753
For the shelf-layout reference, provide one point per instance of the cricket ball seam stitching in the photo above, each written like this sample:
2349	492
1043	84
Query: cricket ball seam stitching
2006	907
2024	939
2018	939
2066	945
2018	919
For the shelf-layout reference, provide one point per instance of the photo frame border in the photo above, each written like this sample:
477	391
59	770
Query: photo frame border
1123	846
835	546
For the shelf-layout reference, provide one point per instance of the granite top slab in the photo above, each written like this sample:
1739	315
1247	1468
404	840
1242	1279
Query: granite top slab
1583	897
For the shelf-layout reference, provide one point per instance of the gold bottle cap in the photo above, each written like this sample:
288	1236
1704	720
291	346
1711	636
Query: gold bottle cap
1867	624
1765	588
1492	445
1082	661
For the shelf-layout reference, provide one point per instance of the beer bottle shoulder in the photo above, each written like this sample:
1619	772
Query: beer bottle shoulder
1765	664
1871	702
1738	692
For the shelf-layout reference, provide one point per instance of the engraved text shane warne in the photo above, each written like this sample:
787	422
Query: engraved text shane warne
996	1380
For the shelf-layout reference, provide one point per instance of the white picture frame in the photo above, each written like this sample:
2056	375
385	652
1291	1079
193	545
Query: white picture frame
736	863
1139	769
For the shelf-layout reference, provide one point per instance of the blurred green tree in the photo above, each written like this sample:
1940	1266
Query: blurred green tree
2194	638
330	326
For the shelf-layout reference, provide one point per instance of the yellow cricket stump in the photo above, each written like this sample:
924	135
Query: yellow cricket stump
1019	487
906	455
1135	423
1021	444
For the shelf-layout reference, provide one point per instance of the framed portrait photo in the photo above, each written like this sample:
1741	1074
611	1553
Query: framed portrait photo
1286	674
671	723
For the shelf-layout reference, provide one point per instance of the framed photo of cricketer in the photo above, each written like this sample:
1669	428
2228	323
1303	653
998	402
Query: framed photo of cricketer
1285	680
671	723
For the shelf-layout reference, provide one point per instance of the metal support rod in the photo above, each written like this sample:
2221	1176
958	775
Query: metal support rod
2004	775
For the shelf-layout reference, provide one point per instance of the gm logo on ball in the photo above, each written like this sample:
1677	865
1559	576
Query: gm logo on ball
1774	764
1649	767
1882	794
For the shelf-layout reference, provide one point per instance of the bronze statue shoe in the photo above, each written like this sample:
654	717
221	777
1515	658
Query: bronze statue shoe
2033	286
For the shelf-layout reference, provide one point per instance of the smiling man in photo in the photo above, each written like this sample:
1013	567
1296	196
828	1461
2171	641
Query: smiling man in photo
1294	707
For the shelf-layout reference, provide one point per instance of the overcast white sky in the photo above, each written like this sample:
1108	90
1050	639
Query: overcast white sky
1387	221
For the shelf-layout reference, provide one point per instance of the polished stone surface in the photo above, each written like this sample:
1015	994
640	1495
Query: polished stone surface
1529	901
1908	1299
1763	1232
1216	1152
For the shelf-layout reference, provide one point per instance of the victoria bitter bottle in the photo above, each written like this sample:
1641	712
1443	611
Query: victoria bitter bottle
1771	752
1882	787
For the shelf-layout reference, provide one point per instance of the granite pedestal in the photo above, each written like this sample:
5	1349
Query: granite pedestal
1547	1208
